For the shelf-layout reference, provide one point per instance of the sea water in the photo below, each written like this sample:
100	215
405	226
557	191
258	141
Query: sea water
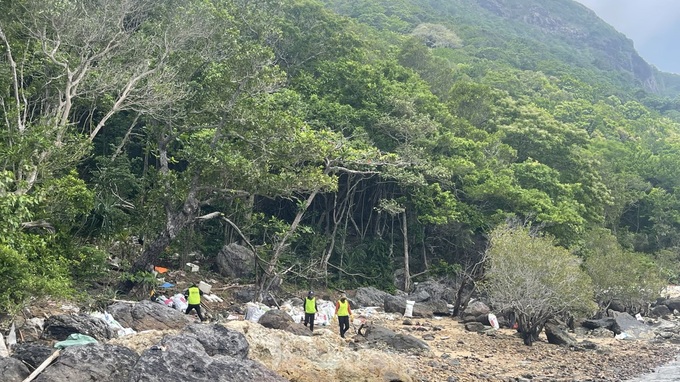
669	372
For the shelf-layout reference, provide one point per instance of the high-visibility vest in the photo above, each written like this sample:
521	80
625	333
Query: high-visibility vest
310	305
194	296
343	308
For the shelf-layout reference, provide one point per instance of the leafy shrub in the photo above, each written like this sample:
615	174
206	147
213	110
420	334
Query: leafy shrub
628	278
532	277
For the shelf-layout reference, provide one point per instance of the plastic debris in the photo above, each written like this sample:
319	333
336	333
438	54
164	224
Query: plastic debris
12	337
3	348
493	320
408	312
204	287
75	339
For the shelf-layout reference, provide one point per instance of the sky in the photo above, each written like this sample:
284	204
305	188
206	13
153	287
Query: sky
653	25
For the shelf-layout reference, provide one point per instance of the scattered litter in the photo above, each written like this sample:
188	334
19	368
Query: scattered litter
408	312
192	267
212	298
179	302
167	285
75	339
255	310
113	324
639	317
367	311
493	320
4	353
232	317
12	337
624	336
204	287
160	269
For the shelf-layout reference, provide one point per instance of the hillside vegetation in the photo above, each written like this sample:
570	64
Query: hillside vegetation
345	143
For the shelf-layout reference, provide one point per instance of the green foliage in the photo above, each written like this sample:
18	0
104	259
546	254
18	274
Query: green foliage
16	278
535	279
443	269
436	36
629	278
453	115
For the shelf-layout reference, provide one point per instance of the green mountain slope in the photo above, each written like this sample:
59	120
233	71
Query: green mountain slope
552	36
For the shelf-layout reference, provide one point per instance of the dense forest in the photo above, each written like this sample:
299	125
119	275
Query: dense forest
345	143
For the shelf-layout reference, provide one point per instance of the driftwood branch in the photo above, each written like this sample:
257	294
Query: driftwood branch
42	366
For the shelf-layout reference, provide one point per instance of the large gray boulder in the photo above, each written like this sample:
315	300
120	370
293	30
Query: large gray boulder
32	354
278	319
436	291
397	341
148	315
184	357
61	326
476	308
370	296
397	304
12	370
218	340
606	323
91	362
236	261
557	334
672	303
661	311
632	327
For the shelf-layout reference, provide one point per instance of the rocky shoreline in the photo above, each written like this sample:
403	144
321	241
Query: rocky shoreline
501	356
426	348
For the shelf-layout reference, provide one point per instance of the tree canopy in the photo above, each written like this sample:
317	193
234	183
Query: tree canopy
344	143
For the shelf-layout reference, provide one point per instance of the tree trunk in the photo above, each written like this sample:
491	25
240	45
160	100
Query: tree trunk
407	271
176	223
269	275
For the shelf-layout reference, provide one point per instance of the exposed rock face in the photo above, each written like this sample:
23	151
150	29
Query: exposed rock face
236	261
12	370
218	340
32	354
61	326
436	291
632	327
397	341
92	362
370	296
324	357
148	315
581	28
185	357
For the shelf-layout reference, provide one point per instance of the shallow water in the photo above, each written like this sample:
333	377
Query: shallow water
669	372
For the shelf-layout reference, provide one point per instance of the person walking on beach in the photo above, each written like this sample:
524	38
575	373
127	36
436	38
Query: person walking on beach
193	296
344	312
310	310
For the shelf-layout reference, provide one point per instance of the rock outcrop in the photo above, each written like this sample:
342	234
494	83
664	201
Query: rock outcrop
148	315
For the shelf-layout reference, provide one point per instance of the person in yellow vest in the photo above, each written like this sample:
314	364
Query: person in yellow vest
344	312
310	310
193	296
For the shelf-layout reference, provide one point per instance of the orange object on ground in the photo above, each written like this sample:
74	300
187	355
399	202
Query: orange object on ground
160	269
